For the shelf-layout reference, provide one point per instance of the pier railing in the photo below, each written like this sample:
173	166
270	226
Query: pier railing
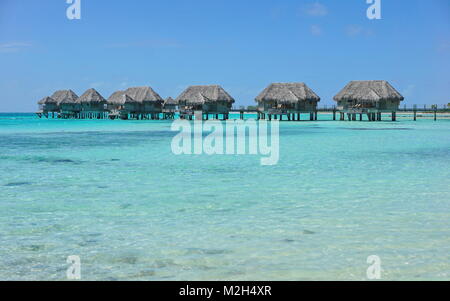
404	108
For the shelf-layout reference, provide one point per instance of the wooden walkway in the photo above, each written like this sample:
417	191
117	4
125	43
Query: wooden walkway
350	115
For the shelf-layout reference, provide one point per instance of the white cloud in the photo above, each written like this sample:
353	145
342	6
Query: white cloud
316	9
163	43
97	85
316	30
354	30
357	30
13	47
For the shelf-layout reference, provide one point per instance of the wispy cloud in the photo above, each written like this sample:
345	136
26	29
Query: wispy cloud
13	47
97	85
316	9
353	30
316	30
147	44
123	84
357	30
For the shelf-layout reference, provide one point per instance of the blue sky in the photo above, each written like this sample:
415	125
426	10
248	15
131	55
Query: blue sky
242	45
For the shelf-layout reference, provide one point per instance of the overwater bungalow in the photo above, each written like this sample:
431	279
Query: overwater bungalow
368	97
93	105
116	101
287	99
142	103
68	104
115	104
205	100
170	107
47	105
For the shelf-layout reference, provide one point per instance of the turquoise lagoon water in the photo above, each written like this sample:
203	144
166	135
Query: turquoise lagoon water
113	193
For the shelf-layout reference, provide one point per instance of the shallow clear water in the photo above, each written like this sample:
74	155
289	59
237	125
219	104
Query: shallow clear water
113	193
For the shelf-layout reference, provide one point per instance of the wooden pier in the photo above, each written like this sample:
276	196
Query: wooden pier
414	113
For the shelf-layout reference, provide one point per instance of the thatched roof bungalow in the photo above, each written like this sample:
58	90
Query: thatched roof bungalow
116	105
67	101
373	95
116	101
212	99
286	99
45	100
170	101
48	104
143	100
65	96
92	101
170	105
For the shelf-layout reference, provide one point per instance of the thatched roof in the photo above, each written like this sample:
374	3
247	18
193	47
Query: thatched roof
144	94
203	94
91	96
287	93
117	98
127	99
47	100
170	101
65	96
369	91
